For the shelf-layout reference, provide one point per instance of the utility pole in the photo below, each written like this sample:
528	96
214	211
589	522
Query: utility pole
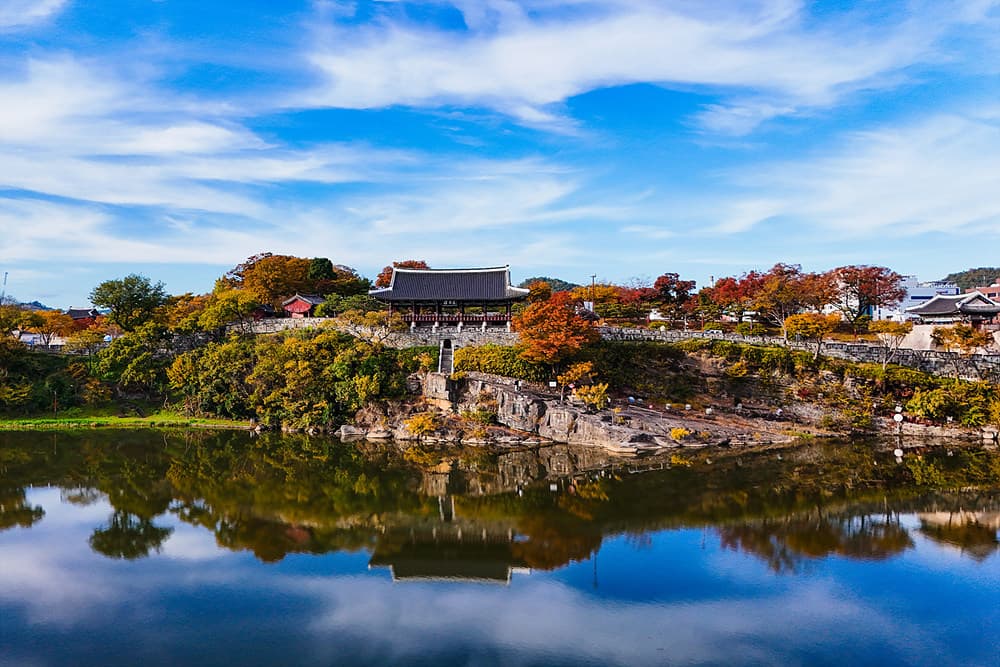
3	290
593	287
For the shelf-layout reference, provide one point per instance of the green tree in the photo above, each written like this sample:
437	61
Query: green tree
136	362
229	307
16	318
132	300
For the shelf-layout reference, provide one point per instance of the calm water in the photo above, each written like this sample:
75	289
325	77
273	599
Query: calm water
218	549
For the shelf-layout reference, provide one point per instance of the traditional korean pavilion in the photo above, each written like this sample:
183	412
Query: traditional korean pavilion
451	296
973	307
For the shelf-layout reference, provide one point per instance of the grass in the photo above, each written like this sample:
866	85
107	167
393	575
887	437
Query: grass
112	417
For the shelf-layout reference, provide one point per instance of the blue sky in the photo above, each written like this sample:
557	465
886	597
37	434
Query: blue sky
622	138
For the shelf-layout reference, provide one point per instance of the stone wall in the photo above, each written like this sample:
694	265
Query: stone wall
467	337
947	364
415	337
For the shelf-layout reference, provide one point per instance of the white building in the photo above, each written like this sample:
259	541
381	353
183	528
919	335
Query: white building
917	294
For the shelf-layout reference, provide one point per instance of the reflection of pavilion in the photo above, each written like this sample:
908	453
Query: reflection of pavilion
456	551
972	533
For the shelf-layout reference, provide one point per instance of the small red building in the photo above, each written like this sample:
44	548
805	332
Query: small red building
302	305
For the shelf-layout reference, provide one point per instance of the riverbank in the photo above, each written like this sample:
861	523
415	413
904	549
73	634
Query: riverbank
486	410
105	418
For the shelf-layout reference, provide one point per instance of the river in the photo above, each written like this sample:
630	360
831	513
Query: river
203	548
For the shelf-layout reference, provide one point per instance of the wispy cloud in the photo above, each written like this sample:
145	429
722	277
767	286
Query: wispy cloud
16	14
765	57
935	174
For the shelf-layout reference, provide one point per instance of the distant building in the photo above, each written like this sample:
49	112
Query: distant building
451	296
917	293
83	317
990	291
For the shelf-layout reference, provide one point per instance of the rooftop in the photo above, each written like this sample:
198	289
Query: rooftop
469	285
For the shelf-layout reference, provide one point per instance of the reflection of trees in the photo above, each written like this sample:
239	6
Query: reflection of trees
963	531
274	495
786	543
129	537
547	545
15	510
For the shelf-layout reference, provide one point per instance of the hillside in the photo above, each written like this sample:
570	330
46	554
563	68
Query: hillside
984	275
556	284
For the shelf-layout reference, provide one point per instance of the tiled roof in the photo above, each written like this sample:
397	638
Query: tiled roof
313	299
469	285
958	304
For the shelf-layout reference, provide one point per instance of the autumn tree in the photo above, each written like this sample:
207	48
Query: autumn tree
539	291
552	331
274	278
735	296
580	373
890	335
862	289
17	318
671	294
785	291
53	323
132	300
180	313
963	339
385	275
228	307
812	326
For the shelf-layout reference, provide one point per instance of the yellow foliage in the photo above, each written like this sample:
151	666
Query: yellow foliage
422	423
594	396
679	461
679	433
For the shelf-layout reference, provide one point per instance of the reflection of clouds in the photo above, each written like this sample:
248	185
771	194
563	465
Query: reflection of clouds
190	543
61	586
51	588
547	618
59	514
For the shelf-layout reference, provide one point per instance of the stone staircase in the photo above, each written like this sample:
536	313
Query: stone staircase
446	359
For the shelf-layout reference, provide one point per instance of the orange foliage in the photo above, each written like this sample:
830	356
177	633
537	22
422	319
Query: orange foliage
385	276
551	330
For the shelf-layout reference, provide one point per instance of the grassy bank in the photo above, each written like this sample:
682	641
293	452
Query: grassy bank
108	418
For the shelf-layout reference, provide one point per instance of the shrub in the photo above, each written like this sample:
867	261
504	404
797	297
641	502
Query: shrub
499	360
594	396
750	329
678	433
422	423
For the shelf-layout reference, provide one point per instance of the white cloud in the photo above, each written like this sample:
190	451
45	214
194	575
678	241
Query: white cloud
523	64
936	174
16	14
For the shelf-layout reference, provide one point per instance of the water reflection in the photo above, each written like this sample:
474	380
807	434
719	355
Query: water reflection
499	511
195	548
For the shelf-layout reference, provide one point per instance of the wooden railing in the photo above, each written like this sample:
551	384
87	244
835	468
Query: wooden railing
453	318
